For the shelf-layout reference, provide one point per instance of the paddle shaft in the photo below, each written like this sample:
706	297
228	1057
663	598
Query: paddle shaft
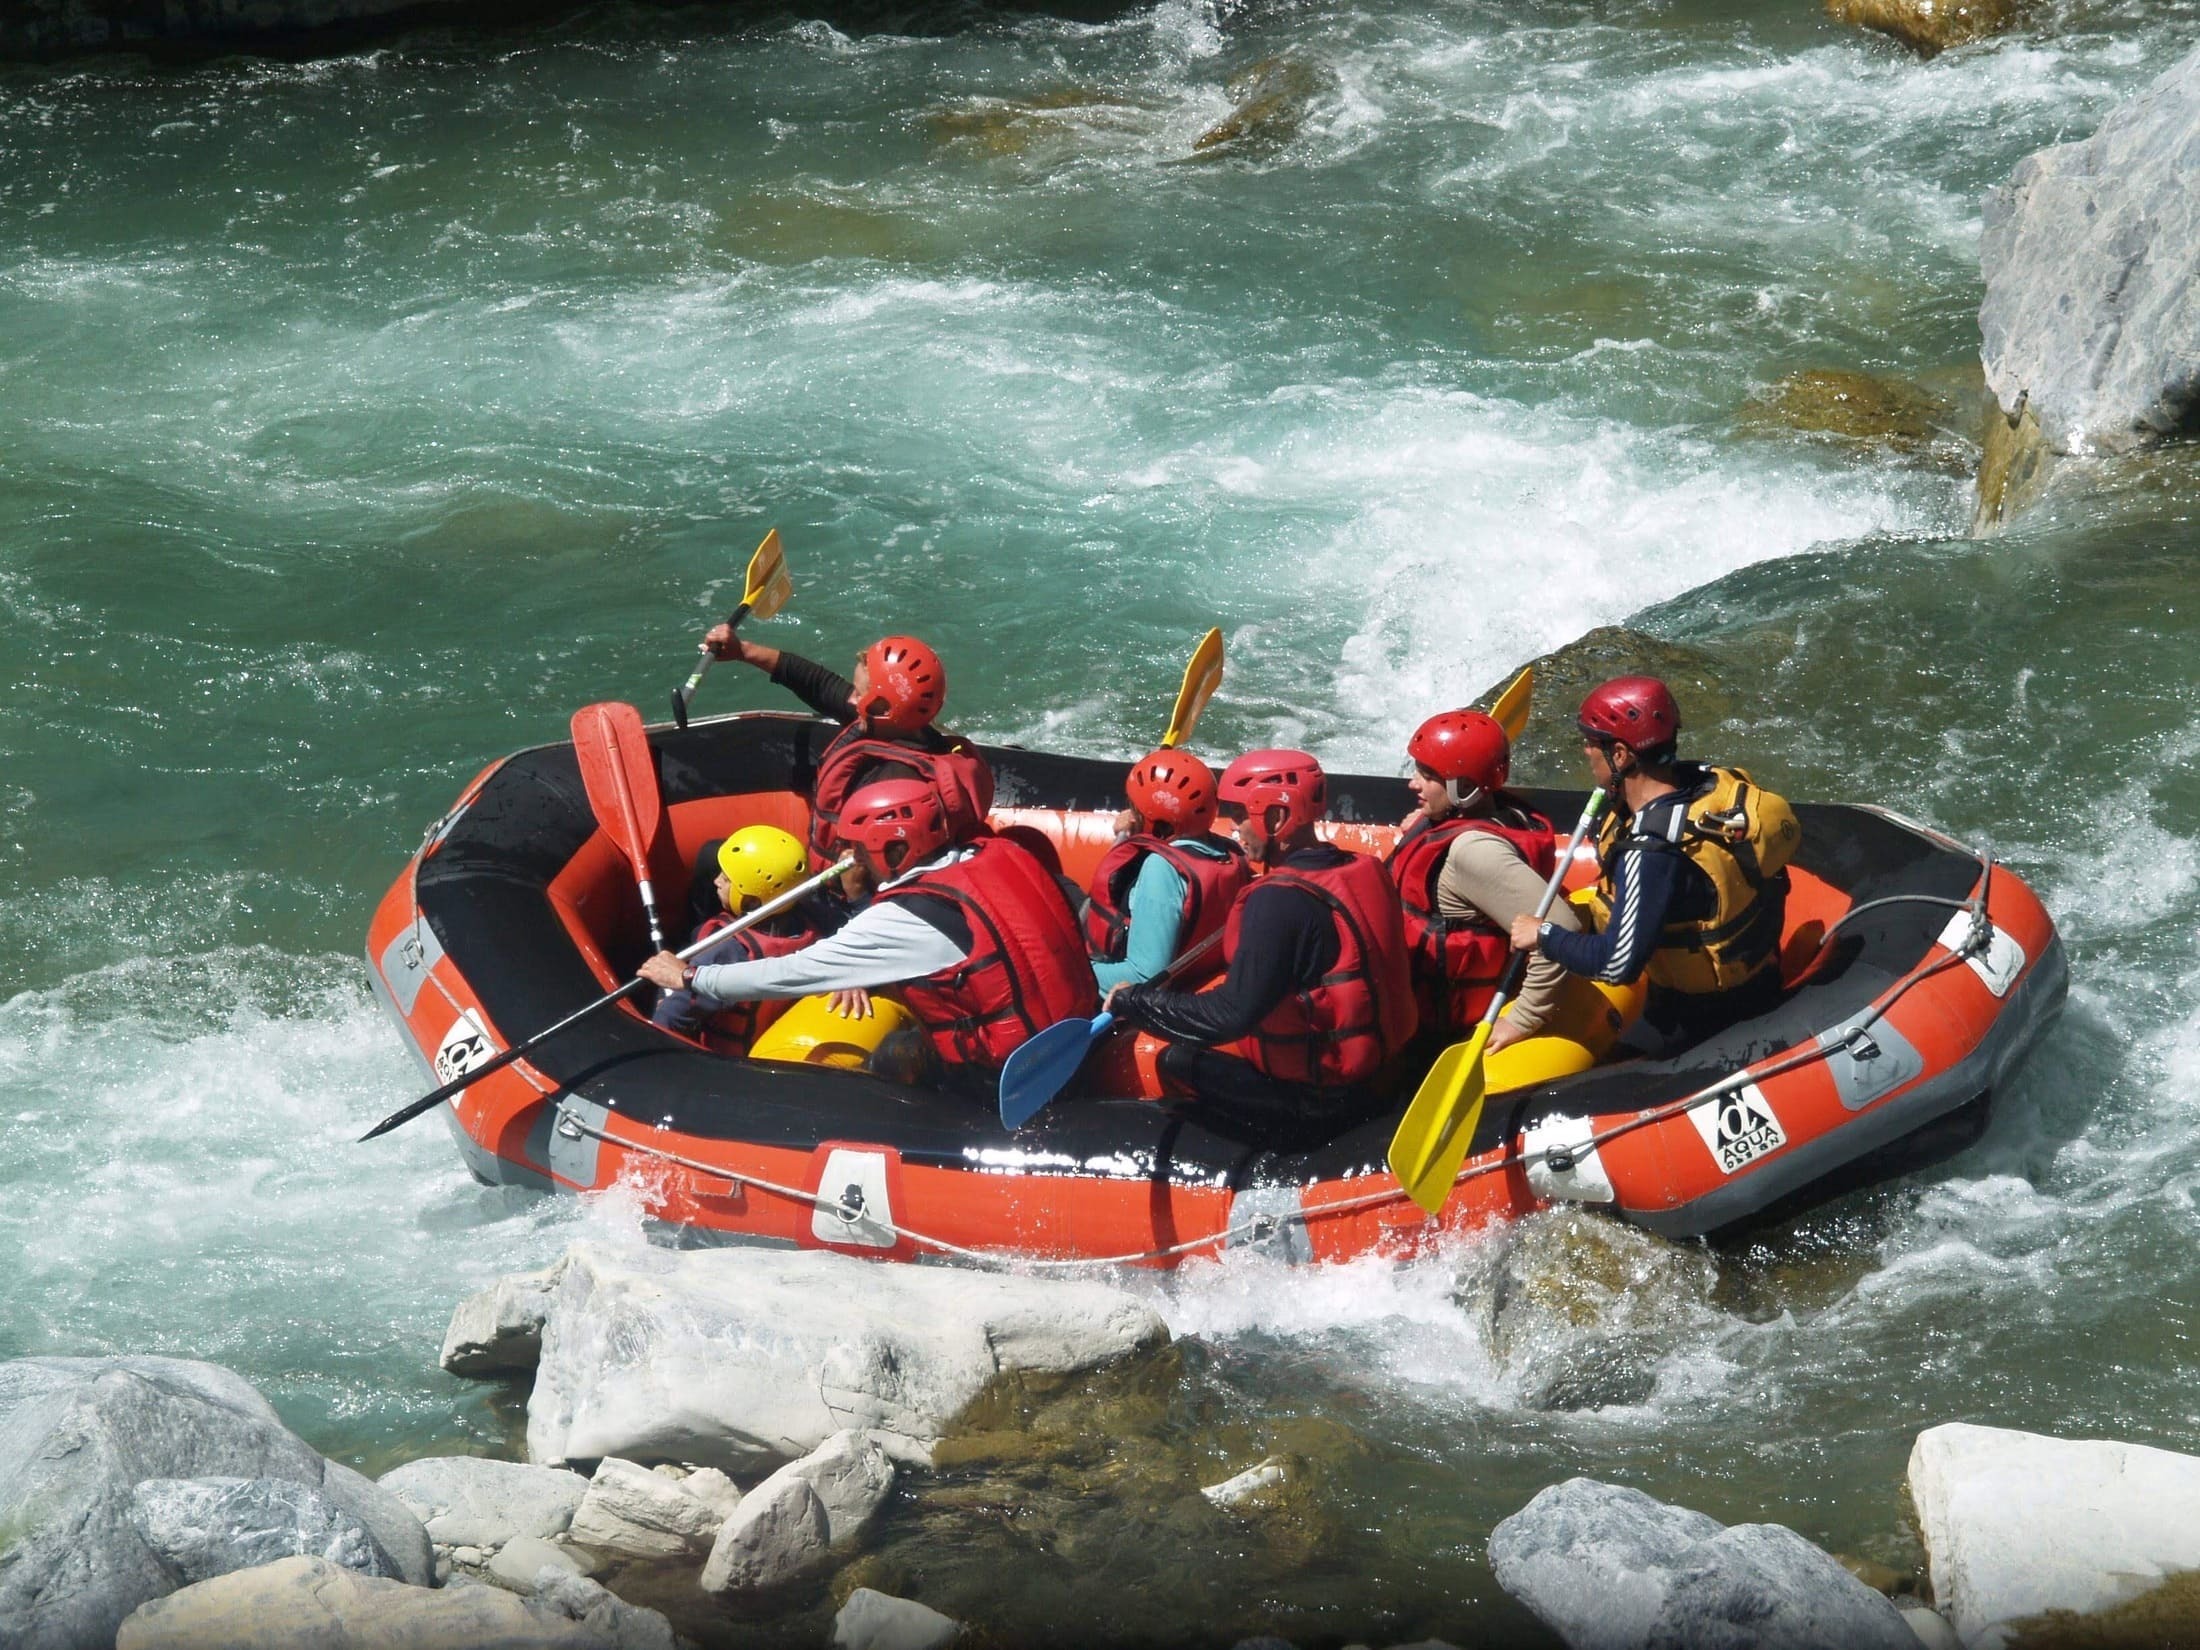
684	694
770	908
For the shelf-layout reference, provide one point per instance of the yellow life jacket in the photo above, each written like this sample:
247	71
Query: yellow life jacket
1741	836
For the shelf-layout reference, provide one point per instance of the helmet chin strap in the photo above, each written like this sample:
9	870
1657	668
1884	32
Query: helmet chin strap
1463	799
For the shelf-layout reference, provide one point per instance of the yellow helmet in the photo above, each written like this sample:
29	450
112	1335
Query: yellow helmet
760	861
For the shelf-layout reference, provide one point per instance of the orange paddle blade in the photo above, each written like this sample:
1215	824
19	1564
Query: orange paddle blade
621	776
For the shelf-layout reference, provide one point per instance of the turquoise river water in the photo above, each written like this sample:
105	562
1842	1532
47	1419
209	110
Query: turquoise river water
360	417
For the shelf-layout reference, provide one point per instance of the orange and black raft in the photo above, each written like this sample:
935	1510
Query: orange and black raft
1937	970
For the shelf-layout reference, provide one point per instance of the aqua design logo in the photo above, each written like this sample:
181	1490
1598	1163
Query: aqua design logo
465	1046
1738	1127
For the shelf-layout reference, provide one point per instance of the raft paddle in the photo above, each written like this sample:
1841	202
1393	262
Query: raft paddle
1510	709
763	593
622	790
770	908
1201	677
1042	1067
1433	1136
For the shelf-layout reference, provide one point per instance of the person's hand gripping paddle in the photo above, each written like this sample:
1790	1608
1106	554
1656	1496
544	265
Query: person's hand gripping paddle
770	908
621	776
1039	1070
1433	1136
763	593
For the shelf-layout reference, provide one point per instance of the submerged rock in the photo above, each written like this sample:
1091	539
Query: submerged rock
878	1621
1582	1309
1019	126
206	1527
77	1438
465	1500
1551	748
1927	27
2013	468
1608	1568
2016	1525
1855	406
1271	101
737	1358
2091	253
311	1604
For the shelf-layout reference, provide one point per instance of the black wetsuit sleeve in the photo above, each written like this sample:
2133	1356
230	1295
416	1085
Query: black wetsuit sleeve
1643	886
1286	942
815	686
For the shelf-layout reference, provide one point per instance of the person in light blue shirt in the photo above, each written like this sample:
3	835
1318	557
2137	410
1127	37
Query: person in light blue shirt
1168	883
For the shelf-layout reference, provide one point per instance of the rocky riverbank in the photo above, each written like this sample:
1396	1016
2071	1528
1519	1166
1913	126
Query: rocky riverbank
713	1434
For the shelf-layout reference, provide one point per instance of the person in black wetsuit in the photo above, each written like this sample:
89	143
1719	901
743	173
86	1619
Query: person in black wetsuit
1694	884
1317	997
888	713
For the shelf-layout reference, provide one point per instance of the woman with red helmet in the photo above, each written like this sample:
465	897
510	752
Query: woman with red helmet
1316	997
1470	859
1693	890
888	710
973	937
1169	881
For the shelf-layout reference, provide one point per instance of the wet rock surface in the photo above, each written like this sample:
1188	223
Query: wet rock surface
1895	414
1270	101
2091	254
879	1621
78	1436
1928	27
1609	1568
1550	751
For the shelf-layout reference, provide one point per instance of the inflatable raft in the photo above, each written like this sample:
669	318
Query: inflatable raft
1920	973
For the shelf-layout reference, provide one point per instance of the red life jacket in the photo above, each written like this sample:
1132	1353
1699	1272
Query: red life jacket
954	769
1457	960
1026	968
1210	885
734	1027
1341	1030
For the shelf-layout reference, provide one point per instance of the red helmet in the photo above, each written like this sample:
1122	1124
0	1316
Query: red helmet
1635	711
895	811
908	685
1290	780
1173	792
1463	748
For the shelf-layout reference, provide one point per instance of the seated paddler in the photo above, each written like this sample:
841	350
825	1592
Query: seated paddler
970	934
889	711
754	865
1317	997
1469	860
1169	881
1692	888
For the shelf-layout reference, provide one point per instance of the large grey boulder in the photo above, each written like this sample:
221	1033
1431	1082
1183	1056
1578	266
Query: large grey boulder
469	1501
790	1523
2091	254
2016	1524
206	1527
311	1604
739	1359
1608	1568
78	1436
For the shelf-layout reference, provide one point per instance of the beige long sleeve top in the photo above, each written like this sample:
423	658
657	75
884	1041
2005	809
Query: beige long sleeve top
1483	877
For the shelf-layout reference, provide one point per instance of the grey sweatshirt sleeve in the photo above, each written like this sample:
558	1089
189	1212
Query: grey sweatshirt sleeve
882	945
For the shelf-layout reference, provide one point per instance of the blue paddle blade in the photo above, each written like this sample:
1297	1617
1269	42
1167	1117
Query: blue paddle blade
1043	1067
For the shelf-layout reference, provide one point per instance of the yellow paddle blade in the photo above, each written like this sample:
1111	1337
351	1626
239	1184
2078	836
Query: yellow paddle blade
1511	709
769	584
1201	677
1433	1136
